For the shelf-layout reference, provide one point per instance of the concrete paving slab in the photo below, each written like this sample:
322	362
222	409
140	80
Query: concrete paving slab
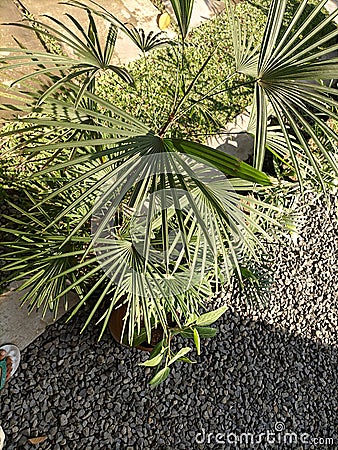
234	139
2	438
19	328
9	13
331	6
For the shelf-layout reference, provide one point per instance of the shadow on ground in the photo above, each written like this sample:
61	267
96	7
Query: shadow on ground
252	378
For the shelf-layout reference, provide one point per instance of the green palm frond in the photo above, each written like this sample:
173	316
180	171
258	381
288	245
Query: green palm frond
291	73
150	41
144	42
88	60
246	53
58	263
36	258
184	236
116	126
183	11
121	213
227	164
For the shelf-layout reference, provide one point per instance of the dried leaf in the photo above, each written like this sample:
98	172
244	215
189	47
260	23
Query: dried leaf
37	440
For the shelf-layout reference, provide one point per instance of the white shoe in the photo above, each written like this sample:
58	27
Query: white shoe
2	438
13	353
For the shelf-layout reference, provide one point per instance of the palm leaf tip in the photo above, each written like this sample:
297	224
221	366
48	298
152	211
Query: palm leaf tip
183	12
246	54
227	164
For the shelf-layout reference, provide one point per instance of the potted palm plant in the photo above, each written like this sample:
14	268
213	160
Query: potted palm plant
132	211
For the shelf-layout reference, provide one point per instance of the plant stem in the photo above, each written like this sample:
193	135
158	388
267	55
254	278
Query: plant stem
166	125
173	115
176	108
177	82
148	76
169	350
216	93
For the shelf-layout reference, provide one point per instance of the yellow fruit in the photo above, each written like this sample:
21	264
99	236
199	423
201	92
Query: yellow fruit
164	21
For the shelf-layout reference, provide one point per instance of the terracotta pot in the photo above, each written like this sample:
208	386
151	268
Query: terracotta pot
115	326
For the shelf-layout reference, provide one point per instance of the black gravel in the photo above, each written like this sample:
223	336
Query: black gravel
268	370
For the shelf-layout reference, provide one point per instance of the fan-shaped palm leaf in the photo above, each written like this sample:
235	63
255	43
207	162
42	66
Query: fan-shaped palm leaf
127	163
144	42
245	52
290	73
89	57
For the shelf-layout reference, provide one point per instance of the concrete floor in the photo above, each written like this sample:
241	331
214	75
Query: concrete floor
19	328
